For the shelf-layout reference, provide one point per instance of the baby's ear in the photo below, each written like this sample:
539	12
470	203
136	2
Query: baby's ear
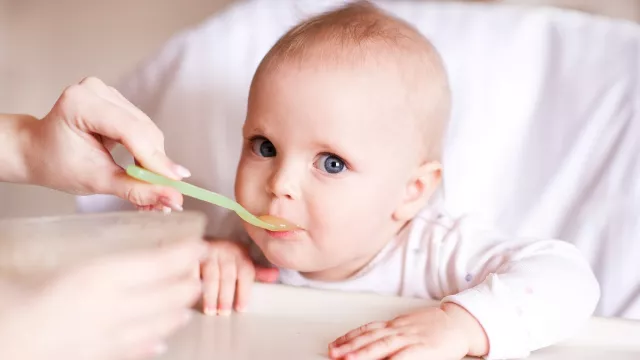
421	186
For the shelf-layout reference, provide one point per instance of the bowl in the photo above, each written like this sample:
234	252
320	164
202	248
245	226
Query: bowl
42	246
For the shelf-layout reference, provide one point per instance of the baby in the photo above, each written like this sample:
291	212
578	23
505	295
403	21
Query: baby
343	137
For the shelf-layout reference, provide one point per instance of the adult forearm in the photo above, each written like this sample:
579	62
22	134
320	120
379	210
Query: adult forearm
15	141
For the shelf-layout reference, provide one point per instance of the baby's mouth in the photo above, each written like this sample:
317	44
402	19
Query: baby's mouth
280	224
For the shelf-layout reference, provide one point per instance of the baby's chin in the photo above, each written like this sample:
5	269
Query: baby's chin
295	251
287	255
283	257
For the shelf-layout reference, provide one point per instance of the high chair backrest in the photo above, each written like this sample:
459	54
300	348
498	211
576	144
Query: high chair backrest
544	139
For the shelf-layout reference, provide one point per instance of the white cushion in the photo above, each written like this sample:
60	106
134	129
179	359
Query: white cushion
545	135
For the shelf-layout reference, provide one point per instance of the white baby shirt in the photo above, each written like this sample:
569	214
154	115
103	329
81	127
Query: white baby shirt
526	293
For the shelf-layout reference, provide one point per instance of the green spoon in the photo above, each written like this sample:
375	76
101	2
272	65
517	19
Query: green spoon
208	196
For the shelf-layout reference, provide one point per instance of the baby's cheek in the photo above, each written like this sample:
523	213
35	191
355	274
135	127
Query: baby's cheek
247	192
248	200
344	215
337	227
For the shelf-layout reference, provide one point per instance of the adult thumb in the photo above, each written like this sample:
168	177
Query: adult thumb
267	275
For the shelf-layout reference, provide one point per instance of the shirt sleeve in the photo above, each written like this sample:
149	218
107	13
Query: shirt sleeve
526	293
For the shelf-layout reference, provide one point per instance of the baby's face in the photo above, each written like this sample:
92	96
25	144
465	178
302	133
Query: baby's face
330	150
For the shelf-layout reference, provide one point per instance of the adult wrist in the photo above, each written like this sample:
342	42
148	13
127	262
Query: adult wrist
16	151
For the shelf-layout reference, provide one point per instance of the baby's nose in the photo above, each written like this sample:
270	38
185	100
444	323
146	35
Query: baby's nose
283	184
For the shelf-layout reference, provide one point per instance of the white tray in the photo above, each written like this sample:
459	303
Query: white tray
294	323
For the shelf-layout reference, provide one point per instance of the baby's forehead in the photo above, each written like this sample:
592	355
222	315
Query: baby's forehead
356	109
361	40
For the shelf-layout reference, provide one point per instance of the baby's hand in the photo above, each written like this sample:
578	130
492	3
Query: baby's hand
229	272
443	333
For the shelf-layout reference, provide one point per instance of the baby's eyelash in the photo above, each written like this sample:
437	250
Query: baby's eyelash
253	138
345	162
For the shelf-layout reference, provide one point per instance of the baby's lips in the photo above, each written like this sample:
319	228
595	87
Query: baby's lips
280	223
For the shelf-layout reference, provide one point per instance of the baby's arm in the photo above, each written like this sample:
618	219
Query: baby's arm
526	293
502	298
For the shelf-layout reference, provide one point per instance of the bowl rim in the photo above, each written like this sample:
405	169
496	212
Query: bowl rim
87	217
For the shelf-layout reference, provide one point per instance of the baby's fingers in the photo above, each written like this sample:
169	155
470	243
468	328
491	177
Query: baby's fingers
211	286
246	276
357	332
380	348
228	278
360	341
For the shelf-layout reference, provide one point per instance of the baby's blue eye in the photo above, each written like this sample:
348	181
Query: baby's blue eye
263	147
330	163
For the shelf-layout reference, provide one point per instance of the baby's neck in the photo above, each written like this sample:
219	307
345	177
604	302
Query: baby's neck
350	269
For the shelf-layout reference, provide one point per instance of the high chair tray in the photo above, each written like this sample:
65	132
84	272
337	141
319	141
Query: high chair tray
296	323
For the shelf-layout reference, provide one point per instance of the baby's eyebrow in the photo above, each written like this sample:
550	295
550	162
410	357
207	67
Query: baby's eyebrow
338	149
252	130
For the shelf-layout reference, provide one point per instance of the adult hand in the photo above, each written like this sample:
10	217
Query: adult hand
70	148
118	307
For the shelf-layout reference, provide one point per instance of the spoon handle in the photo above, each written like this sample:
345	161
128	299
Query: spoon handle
198	193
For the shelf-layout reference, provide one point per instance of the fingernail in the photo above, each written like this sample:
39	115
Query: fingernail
176	207
224	312
182	171
170	204
241	309
166	210
159	349
210	311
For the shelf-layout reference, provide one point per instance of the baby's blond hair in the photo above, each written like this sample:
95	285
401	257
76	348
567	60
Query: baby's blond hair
360	32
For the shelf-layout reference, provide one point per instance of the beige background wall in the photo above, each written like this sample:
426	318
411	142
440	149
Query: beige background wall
48	44
626	9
